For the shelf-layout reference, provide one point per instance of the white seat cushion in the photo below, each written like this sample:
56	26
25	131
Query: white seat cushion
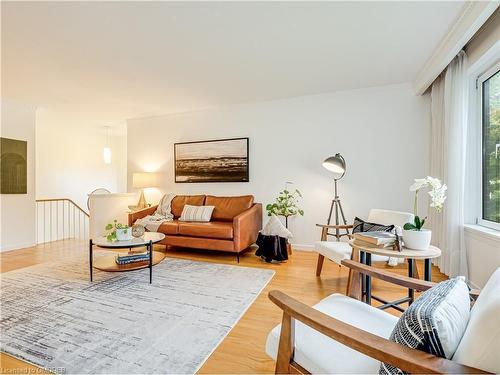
337	251
319	354
480	344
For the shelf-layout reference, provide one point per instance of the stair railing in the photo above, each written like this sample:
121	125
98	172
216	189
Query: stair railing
59	219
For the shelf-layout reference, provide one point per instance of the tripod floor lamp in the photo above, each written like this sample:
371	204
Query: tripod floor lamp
336	164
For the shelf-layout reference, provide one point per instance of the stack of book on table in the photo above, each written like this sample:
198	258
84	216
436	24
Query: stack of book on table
132	258
374	239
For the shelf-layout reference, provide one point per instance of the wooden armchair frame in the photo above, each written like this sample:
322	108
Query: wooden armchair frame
324	237
409	360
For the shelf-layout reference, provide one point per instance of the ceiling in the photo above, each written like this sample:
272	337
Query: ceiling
118	60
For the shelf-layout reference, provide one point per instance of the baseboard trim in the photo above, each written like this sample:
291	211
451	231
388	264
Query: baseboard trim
17	246
303	247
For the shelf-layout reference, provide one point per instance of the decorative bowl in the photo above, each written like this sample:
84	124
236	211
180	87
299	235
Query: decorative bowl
138	230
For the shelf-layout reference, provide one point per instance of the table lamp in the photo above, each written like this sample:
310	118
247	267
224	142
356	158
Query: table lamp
143	180
336	164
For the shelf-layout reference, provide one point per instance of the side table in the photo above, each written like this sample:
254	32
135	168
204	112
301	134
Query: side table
363	255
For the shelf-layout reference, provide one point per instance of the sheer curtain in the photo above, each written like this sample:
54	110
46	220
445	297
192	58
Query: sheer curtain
449	108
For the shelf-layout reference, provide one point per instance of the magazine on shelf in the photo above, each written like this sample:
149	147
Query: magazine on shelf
132	258
132	255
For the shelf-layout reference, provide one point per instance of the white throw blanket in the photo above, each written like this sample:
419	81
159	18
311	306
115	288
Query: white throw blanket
275	227
162	214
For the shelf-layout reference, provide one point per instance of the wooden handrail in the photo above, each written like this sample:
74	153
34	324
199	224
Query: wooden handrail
64	199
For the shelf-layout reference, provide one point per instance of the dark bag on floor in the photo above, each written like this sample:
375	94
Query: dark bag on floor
272	248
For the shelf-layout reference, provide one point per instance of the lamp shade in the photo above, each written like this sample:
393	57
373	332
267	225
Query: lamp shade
335	164
143	180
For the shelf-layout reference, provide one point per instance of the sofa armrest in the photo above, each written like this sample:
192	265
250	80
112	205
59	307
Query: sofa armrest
133	216
246	227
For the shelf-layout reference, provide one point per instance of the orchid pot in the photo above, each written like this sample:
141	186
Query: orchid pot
415	237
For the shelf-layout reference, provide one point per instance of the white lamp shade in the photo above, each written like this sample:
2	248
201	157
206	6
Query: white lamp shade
143	180
107	155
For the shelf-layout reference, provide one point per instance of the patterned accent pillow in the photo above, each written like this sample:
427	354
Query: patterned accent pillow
364	226
196	213
435	322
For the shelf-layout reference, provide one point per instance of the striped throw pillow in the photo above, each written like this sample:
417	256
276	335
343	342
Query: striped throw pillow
435	322
360	225
196	213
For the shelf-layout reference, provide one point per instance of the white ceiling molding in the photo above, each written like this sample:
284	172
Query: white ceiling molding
473	16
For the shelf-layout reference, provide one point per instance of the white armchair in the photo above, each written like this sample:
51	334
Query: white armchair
342	335
337	251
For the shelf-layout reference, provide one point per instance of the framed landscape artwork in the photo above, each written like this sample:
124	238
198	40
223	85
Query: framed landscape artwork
13	166
224	160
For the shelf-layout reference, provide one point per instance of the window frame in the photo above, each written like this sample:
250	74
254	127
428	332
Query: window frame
488	73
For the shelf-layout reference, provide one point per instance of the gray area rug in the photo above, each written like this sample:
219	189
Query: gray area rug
52	316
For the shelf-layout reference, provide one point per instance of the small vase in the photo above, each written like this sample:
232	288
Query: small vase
417	239
124	234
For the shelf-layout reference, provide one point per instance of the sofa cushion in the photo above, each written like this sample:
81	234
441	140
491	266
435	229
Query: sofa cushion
180	201
226	208
197	213
169	227
480	343
320	354
213	229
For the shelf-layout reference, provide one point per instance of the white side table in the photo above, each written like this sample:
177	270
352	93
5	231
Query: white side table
365	253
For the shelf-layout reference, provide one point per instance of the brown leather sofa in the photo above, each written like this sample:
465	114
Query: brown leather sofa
234	226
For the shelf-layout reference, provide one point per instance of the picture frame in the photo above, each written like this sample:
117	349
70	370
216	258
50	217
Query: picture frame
13	166
218	160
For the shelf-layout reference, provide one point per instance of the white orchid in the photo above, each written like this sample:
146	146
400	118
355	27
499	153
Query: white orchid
438	197
437	194
418	184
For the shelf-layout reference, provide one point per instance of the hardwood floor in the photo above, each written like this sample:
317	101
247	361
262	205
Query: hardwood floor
243	350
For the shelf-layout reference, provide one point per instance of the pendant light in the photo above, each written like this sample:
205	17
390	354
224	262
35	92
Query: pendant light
107	150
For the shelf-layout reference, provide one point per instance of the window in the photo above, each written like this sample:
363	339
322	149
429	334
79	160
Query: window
490	116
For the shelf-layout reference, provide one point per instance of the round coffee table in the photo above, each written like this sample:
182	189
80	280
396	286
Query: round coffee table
365	253
108	263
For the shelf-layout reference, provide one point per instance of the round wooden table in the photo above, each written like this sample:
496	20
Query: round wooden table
365	252
108	263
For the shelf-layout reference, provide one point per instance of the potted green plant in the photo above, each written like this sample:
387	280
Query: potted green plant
414	235
286	204
118	232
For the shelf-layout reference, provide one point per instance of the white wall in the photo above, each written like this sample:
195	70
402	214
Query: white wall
18	210
483	255
382	132
70	157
